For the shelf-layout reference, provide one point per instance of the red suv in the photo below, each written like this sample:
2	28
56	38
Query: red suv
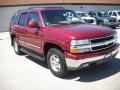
57	35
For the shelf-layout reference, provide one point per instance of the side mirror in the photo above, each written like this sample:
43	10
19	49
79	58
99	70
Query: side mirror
32	24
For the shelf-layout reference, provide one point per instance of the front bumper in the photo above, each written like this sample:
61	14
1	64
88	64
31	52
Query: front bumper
73	64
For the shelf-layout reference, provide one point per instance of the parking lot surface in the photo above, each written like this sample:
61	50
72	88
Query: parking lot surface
26	73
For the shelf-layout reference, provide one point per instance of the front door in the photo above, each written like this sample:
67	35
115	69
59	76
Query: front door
32	40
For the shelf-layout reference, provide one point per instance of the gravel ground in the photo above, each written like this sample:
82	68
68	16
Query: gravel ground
26	73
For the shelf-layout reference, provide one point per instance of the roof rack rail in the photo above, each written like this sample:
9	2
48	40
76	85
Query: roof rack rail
54	7
47	7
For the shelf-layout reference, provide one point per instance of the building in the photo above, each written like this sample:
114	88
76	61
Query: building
9	7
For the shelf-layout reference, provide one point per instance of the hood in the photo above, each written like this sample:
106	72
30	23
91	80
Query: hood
87	18
82	31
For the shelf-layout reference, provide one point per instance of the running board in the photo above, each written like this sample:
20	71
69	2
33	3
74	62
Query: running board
32	54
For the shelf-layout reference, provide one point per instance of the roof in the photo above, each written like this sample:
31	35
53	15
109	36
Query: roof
42	8
114	10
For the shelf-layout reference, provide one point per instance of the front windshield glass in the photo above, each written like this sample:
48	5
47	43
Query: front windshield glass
119	13
102	14
82	14
55	17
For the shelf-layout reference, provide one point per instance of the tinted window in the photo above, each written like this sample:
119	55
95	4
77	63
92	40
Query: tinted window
33	17
82	14
14	18
110	13
53	17
118	13
22	20
102	14
92	14
114	14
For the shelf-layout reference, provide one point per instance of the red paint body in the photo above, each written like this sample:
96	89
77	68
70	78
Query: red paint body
60	35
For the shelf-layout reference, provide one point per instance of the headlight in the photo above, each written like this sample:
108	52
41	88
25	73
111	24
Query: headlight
115	36
79	46
79	42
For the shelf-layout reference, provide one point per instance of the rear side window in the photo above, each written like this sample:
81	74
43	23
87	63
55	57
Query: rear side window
23	18
14	18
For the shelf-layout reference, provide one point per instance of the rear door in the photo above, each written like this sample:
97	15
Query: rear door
22	28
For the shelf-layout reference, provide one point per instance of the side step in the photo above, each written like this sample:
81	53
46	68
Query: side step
32	54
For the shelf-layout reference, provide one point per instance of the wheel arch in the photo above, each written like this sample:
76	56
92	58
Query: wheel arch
49	45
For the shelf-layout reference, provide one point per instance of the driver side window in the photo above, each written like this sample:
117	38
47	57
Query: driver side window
33	17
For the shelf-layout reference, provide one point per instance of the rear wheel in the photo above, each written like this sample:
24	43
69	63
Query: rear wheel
56	62
16	47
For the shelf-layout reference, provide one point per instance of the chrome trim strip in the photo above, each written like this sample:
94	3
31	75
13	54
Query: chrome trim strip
103	48
102	37
30	44
94	45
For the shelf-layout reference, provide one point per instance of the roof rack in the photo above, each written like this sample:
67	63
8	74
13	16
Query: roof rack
46	7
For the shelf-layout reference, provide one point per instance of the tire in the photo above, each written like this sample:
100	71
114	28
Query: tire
16	47
100	23
56	63
113	27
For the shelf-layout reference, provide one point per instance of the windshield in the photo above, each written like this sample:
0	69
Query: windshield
82	14
102	14
54	17
119	13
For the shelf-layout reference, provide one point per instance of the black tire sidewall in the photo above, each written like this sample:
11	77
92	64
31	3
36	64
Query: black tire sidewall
100	24
63	71
17	52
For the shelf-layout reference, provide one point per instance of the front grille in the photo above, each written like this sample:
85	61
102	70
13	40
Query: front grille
103	39
112	20
89	21
100	43
102	47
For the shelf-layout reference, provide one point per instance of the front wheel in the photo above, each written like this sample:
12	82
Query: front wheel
56	62
16	46
113	27
100	23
